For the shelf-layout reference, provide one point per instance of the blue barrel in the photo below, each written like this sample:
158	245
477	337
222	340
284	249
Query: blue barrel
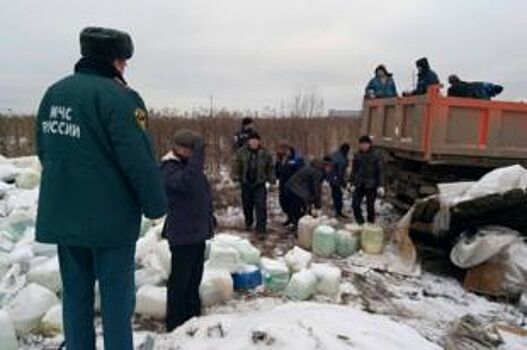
247	280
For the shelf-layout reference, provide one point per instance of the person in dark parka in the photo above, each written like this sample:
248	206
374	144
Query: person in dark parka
477	89
366	179
252	169
337	177
304	189
381	85
99	175
288	161
425	77
189	223
242	135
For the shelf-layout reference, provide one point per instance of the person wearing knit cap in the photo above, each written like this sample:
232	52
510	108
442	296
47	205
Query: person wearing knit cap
425	77
189	223
99	176
242	135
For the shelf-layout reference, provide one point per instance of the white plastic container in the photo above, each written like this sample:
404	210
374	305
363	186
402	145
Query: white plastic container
347	243
298	259
216	287
224	257
275	274
151	301
46	274
51	324
302	285
306	226
328	279
324	241
372	239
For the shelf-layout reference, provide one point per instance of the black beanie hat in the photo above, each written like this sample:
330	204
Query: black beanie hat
383	68
365	139
253	135
423	63
246	121
106	44
186	138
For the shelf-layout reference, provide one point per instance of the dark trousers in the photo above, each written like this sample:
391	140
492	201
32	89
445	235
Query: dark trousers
254	199
336	194
295	206
114	269
282	199
183	300
358	197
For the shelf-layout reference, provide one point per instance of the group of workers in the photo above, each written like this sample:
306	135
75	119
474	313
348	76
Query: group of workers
98	181
382	85
300	181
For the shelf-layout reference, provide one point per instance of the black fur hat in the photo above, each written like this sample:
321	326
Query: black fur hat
106	44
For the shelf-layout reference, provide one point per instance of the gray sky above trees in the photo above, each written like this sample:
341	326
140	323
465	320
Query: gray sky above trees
255	54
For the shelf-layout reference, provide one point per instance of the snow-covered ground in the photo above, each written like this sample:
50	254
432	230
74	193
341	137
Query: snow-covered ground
374	310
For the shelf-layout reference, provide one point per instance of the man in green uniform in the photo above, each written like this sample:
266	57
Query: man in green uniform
99	175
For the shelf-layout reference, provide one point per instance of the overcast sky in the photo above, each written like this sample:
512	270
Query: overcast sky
254	54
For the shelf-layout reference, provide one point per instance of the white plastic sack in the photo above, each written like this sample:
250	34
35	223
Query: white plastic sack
216	287
498	181
51	324
328	279
29	306
324	241
302	285
11	282
47	275
8	172
145	276
249	254
306	226
298	259
28	179
4	188
7	332
275	274
372	239
22	254
347	243
146	246
151	301
487	243
224	257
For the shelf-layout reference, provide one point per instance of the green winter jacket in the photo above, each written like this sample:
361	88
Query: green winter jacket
240	166
99	172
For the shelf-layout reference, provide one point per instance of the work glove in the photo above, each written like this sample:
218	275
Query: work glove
381	192
268	186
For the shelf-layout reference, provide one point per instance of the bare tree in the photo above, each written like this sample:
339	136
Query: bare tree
307	104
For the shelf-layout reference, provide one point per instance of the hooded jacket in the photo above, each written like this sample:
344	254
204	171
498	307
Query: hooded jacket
286	167
190	217
425	78
306	183
381	90
367	170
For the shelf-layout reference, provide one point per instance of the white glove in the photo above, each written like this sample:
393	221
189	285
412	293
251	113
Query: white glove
381	192
267	186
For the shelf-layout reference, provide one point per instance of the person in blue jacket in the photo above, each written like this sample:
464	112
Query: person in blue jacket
425	77
381	85
99	175
189	223
476	89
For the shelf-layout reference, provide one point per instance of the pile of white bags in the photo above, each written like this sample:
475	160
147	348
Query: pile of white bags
302	285
46	274
216	287
324	241
275	274
297	259
328	279
29	306
7	332
151	302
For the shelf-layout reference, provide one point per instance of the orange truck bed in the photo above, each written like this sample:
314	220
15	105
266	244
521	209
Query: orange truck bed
448	130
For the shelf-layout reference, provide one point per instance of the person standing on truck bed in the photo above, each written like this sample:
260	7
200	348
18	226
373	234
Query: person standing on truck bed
242	135
366	180
425	77
477	89
381	85
252	169
337	177
99	175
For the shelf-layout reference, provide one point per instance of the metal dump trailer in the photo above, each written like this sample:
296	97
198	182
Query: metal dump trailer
431	138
